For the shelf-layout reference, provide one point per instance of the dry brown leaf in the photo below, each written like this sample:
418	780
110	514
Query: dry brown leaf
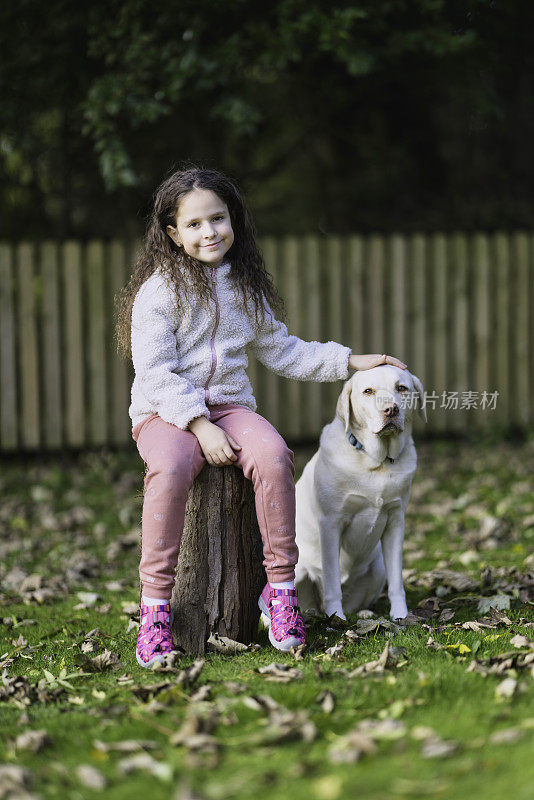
327	701
15	780
350	748
521	641
285	725
260	702
506	736
377	667
145	763
222	644
199	720
280	673
298	652
32	740
434	747
91	777
126	746
506	689
202	693
387	729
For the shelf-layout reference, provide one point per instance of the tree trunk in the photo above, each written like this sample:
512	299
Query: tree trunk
220	574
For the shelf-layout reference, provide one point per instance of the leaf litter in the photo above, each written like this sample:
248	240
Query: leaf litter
511	584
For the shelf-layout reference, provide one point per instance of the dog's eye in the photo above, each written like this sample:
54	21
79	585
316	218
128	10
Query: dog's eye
368	391
402	388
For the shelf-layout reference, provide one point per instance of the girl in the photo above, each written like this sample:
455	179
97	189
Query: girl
199	296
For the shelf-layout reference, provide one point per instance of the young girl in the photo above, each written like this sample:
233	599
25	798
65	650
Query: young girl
198	297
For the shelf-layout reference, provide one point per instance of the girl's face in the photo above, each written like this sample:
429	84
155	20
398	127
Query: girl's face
203	227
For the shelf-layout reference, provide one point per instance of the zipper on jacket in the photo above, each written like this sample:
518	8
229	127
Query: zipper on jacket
212	342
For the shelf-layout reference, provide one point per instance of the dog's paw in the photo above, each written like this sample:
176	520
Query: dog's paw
398	611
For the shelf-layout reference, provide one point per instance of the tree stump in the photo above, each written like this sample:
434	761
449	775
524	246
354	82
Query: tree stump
220	573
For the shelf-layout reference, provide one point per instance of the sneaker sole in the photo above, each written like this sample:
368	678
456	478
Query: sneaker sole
157	659
288	643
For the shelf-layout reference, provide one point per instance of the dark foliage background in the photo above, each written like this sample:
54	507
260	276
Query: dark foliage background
334	116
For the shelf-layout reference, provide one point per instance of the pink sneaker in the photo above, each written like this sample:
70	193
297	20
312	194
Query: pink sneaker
154	640
286	626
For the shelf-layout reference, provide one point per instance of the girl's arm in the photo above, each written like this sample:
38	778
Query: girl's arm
155	357
292	357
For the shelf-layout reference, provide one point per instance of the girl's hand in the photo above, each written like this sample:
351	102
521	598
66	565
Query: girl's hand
217	445
374	360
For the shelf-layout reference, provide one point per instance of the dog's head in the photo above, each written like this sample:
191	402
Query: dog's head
381	400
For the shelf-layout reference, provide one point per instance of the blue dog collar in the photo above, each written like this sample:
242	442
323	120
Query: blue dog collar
359	446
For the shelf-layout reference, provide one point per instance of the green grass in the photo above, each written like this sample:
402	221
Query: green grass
75	521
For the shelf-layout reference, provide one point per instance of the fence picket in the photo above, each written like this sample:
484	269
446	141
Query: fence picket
460	350
481	322
417	316
521	347
52	372
438	332
28	295
75	401
96	348
397	281
8	358
502	365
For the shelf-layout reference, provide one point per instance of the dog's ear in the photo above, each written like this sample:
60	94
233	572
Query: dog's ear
420	400
343	405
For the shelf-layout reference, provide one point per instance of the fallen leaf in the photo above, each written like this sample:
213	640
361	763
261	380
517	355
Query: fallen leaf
284	725
386	660
125	746
223	644
145	763
281	673
327	701
521	641
506	689
506	736
385	729
434	747
32	740
14	781
500	602
91	777
260	702
350	748
421	732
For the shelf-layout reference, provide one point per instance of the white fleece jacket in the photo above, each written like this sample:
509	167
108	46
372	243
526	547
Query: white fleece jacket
182	364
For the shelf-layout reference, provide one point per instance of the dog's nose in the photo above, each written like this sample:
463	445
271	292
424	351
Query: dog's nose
391	410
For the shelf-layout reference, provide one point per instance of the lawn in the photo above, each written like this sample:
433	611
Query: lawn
440	708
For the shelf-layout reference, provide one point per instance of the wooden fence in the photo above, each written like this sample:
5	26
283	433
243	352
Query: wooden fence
456	308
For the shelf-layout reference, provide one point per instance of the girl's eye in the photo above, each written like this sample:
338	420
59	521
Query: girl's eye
192	224
218	217
368	391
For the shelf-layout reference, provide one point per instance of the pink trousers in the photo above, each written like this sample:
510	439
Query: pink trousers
174	458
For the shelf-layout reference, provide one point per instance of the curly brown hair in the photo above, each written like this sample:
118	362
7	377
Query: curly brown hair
160	252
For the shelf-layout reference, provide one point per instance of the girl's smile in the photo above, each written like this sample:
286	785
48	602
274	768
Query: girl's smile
203	227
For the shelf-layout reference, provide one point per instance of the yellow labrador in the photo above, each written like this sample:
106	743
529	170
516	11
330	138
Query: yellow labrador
353	493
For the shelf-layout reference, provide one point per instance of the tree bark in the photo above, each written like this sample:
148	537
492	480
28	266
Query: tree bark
220	573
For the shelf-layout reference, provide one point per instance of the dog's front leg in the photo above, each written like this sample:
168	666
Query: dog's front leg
392	542
330	544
